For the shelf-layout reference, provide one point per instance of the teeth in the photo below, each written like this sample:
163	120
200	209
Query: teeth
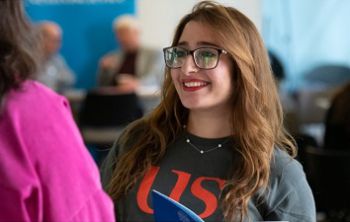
195	84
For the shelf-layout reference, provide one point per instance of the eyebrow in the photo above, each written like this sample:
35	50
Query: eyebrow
184	43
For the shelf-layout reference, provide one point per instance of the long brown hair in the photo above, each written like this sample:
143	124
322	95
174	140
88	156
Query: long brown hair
19	51
256	114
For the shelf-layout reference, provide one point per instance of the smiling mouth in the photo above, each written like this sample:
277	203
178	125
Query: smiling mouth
194	85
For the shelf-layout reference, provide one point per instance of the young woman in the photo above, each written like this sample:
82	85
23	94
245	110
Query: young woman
216	142
46	172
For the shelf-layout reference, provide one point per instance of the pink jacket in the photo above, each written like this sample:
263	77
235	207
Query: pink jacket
46	172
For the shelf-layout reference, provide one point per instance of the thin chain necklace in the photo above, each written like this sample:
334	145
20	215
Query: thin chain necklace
201	151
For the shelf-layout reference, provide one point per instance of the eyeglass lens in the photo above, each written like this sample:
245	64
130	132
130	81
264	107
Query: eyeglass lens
205	57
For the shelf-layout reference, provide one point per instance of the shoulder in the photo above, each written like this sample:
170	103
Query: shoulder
121	146
131	135
150	51
286	174
289	196
282	163
112	54
32	95
57	58
33	109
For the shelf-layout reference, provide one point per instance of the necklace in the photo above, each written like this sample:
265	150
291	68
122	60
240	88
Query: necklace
201	151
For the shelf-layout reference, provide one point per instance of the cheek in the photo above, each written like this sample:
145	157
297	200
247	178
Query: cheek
175	77
224	81
224	77
228	71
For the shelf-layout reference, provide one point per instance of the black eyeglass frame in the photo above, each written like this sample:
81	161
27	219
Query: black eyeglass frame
191	52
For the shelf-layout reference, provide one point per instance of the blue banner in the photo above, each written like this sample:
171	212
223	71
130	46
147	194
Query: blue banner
87	30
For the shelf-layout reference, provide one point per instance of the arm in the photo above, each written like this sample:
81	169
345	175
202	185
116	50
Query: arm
153	71
107	68
66	76
19	181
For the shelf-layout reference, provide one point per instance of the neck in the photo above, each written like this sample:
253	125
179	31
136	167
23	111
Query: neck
48	56
131	49
209	124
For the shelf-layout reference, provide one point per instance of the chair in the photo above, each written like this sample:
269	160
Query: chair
107	113
313	103
104	115
315	94
328	74
328	172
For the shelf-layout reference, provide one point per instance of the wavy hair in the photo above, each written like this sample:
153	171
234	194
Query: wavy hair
19	51
256	111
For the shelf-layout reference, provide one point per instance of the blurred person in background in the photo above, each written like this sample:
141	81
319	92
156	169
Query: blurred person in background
216	142
337	124
54	72
288	101
46	172
132	66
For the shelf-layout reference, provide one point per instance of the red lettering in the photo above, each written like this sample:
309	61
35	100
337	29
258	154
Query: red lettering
209	199
183	178
145	188
180	186
147	182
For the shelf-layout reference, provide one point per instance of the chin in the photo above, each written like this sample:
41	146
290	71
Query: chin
193	106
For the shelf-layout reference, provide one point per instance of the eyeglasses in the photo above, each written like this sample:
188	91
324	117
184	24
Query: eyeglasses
204	57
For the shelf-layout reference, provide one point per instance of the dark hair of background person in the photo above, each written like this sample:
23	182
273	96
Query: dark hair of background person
276	66
337	132
256	110
19	48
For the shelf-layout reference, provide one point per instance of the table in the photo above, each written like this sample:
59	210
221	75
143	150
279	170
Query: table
149	97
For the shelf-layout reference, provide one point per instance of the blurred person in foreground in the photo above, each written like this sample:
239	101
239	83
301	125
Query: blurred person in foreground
216	142
46	172
132	66
54	72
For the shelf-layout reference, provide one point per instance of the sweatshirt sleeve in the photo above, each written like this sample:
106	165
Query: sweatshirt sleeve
290	197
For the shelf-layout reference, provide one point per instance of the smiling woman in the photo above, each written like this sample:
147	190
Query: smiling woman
216	142
204	80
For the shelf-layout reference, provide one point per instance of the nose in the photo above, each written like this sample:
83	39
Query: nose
189	65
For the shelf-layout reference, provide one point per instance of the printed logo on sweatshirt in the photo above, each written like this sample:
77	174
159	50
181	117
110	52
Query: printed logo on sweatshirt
183	178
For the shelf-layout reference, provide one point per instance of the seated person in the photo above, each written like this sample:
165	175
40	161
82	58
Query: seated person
133	65
54	72
337	133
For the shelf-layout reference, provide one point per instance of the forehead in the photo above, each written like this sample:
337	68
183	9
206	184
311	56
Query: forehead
196	33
